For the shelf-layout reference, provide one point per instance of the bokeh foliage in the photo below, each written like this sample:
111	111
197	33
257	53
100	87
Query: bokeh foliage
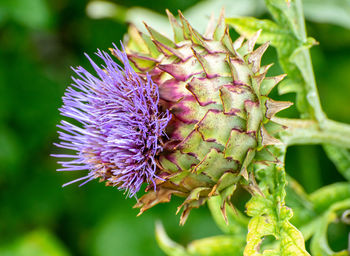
39	41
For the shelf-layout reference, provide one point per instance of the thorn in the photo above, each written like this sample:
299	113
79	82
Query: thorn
209	32
265	68
203	63
256	55
155	35
273	107
220	27
184	216
177	29
267	139
238	43
269	83
226	40
168	51
211	193
223	211
185	26
251	42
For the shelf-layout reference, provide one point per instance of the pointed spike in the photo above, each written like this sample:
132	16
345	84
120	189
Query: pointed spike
252	41
192	34
151	46
209	32
273	107
204	63
168	51
223	211
265	69
232	68
212	192
143	63
226	40
269	83
254	185
185	26
255	56
220	27
267	139
177	28
136	42
184	216
260	78
248	159
238	43
155	35
198	39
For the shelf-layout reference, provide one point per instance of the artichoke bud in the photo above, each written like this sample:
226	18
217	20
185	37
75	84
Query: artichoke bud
216	91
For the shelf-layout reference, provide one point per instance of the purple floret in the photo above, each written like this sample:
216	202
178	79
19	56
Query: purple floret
120	125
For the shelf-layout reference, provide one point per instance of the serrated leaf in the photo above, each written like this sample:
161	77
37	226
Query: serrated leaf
287	13
270	215
248	26
295	60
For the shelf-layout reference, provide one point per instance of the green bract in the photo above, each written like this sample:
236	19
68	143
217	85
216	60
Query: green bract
217	93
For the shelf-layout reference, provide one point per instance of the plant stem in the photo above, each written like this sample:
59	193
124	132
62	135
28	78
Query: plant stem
304	59
300	132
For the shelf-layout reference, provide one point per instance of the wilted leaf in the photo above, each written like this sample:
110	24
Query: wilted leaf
270	216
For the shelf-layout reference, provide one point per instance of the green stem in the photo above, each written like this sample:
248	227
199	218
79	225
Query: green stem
307	70
300	132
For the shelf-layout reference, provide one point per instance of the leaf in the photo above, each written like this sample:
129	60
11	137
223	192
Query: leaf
170	247
270	215
324	197
341	159
217	246
299	201
224	245
295	60
319	244
248	26
236	221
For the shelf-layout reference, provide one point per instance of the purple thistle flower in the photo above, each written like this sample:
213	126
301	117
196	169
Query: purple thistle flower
120	125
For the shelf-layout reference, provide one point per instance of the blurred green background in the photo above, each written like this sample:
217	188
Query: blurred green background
39	41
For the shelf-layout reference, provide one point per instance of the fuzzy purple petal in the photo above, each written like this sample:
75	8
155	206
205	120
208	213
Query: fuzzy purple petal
120	124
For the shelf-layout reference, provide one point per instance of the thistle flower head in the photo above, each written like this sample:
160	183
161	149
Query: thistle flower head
217	92
120	125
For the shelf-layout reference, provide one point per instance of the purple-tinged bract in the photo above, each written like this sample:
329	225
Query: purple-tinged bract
120	125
